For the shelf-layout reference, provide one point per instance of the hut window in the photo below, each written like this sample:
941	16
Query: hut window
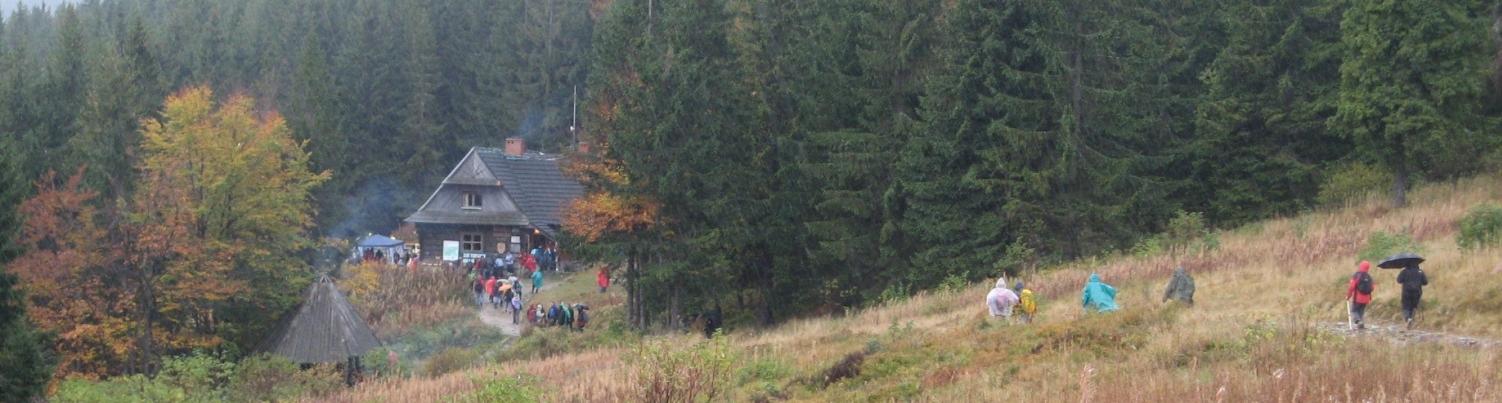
472	200
471	243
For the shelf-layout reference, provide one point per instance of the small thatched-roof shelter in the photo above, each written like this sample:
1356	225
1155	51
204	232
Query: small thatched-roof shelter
326	329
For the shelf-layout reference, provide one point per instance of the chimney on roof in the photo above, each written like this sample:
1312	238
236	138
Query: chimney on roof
516	146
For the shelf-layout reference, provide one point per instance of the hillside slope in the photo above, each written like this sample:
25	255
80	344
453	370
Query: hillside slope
1261	331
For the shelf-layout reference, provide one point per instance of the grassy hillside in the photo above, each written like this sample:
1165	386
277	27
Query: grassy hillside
1267	298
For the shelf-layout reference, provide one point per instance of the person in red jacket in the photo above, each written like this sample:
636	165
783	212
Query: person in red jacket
1359	294
490	291
603	279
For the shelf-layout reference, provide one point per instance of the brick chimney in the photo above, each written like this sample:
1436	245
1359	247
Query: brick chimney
516	146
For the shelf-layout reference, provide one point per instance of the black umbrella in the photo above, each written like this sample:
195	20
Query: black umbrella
1401	260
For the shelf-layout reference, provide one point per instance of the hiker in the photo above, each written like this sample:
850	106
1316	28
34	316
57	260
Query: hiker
516	308
529	263
536	281
554	316
557	264
1180	288
603	279
479	292
508	260
581	313
1413	280
490	290
550	259
1359	294
505	294
568	315
712	320
536	254
1027	305
1001	300
532	314
1099	296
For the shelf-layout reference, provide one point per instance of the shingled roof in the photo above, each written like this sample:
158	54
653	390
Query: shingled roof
536	183
529	189
325	329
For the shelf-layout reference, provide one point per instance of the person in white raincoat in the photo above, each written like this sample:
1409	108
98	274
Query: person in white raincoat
1001	300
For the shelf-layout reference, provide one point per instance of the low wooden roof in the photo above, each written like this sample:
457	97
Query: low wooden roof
325	328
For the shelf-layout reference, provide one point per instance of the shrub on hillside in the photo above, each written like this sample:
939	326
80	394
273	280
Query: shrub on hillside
396	300
660	372
264	377
1381	245
518	389
1481	227
1353	182
449	360
207	378
1185	227
202	376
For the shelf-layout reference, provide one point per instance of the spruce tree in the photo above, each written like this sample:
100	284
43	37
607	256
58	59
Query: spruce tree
994	146
1410	82
1261	136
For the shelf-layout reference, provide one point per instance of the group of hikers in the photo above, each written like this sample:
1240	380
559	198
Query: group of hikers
1018	302
1005	303
1359	292
571	316
539	259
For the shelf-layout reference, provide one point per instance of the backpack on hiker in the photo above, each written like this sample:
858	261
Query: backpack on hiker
1363	283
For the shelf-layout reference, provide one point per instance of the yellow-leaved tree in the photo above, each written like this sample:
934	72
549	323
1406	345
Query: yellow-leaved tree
225	193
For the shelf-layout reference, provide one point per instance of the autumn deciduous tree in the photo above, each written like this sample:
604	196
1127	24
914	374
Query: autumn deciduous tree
226	197
206	253
72	288
608	219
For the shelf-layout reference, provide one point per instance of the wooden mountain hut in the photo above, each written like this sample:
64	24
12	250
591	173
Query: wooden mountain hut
325	329
496	201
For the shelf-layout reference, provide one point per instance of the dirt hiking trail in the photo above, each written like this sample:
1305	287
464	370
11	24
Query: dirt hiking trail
500	318
1398	334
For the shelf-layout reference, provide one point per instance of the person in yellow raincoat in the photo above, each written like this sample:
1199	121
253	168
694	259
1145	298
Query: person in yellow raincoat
1027	304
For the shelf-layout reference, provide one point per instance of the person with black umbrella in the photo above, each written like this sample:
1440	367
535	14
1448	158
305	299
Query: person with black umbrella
1413	280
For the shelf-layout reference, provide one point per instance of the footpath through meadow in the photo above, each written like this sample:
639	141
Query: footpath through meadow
500	318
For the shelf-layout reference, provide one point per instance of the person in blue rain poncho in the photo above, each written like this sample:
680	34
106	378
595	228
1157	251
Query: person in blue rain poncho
1099	296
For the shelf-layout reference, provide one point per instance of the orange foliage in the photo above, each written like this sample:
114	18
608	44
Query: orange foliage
222	192
72	279
600	214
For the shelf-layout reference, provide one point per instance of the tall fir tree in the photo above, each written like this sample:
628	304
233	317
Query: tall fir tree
1410	82
994	143
1261	136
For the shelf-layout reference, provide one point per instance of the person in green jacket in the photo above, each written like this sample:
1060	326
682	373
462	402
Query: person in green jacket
1099	296
1180	288
536	281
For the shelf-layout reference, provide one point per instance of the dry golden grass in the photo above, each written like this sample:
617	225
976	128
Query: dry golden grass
1254	334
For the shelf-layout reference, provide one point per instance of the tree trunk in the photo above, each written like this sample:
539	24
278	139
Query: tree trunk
768	286
632	293
674	313
1400	181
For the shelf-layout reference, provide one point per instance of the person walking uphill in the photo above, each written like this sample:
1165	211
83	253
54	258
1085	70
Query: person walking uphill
1001	300
536	281
1359	294
603	279
1180	288
1413	280
1027	304
1099	296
